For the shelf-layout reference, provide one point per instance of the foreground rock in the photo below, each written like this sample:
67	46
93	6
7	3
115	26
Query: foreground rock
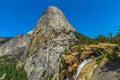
107	70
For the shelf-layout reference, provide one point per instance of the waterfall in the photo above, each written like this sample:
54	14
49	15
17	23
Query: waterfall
82	65
66	79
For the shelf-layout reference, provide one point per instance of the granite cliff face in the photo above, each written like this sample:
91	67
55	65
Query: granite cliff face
40	50
16	46
51	36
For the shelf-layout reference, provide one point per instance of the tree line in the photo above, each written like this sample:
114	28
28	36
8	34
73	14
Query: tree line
110	38
100	38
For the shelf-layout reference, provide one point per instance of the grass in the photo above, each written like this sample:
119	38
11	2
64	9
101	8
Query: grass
110	56
66	52
8	67
98	59
114	57
50	77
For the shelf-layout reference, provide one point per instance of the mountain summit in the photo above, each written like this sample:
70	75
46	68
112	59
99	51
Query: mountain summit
53	9
51	36
51	25
54	18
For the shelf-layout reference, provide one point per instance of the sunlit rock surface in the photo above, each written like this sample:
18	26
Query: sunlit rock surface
51	36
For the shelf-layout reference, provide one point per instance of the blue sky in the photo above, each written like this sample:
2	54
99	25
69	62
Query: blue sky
89	17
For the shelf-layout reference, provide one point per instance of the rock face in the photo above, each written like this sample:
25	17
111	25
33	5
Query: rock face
51	36
107	71
52	26
40	50
16	46
4	40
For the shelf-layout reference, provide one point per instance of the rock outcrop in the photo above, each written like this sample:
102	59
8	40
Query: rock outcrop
106	70
40	50
16	46
51	36
4	40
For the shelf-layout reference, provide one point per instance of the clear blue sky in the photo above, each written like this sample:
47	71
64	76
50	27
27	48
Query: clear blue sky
89	17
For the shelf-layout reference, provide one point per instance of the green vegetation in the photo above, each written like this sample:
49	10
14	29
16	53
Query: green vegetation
102	38
43	74
98	59
66	52
8	67
63	62
110	38
114	57
50	77
84	40
110	56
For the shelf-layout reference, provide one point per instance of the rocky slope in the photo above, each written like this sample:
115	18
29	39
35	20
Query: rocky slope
107	71
105	65
4	40
15	46
52	51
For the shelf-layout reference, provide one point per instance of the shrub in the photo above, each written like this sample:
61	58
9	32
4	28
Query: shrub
114	57
8	67
98	59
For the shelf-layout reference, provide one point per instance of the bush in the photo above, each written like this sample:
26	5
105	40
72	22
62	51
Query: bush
84	39
98	59
114	57
8	67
